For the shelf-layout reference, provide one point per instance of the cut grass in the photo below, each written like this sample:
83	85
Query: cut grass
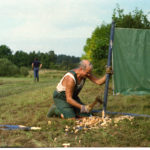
24	102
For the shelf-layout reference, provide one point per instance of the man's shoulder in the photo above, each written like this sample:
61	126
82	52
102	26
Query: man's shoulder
36	61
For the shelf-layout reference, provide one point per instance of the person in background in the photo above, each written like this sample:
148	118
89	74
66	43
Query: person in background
67	103
36	65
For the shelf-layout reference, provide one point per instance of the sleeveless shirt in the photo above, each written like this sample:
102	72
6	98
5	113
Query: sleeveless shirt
78	87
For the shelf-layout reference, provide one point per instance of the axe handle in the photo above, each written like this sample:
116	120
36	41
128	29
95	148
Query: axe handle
93	104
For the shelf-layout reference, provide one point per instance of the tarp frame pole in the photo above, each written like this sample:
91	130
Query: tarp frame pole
121	113
108	65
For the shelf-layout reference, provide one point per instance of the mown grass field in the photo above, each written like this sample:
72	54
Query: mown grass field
23	102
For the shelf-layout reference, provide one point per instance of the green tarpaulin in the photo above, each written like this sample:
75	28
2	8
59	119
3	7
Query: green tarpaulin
131	61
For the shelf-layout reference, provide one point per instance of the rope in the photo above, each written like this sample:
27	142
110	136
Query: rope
122	113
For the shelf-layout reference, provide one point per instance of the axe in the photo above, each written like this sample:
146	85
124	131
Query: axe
97	99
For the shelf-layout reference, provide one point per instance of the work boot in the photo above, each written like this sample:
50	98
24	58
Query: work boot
53	111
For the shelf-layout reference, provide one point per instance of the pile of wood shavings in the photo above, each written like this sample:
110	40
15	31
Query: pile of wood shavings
117	119
94	122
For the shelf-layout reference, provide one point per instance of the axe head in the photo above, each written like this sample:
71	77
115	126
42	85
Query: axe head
98	99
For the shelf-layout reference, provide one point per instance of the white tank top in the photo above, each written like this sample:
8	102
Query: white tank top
60	87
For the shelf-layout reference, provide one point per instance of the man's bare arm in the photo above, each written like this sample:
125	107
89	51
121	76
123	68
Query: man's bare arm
40	66
96	80
32	65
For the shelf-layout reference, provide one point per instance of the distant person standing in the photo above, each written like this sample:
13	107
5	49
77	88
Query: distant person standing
36	65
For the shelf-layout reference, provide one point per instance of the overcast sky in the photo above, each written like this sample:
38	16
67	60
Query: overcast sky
59	25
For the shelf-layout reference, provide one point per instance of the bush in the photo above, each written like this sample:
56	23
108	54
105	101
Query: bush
24	71
7	68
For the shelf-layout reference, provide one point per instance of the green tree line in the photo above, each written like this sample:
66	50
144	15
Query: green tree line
49	59
20	62
96	47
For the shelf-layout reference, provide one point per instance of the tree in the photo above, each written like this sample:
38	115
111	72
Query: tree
96	47
52	58
134	19
5	52
21	58
7	68
48	59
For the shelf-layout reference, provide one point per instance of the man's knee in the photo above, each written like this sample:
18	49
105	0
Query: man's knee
53	111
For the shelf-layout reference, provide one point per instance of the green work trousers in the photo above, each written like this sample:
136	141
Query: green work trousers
65	108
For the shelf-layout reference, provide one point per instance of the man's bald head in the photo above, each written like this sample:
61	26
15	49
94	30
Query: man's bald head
85	64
